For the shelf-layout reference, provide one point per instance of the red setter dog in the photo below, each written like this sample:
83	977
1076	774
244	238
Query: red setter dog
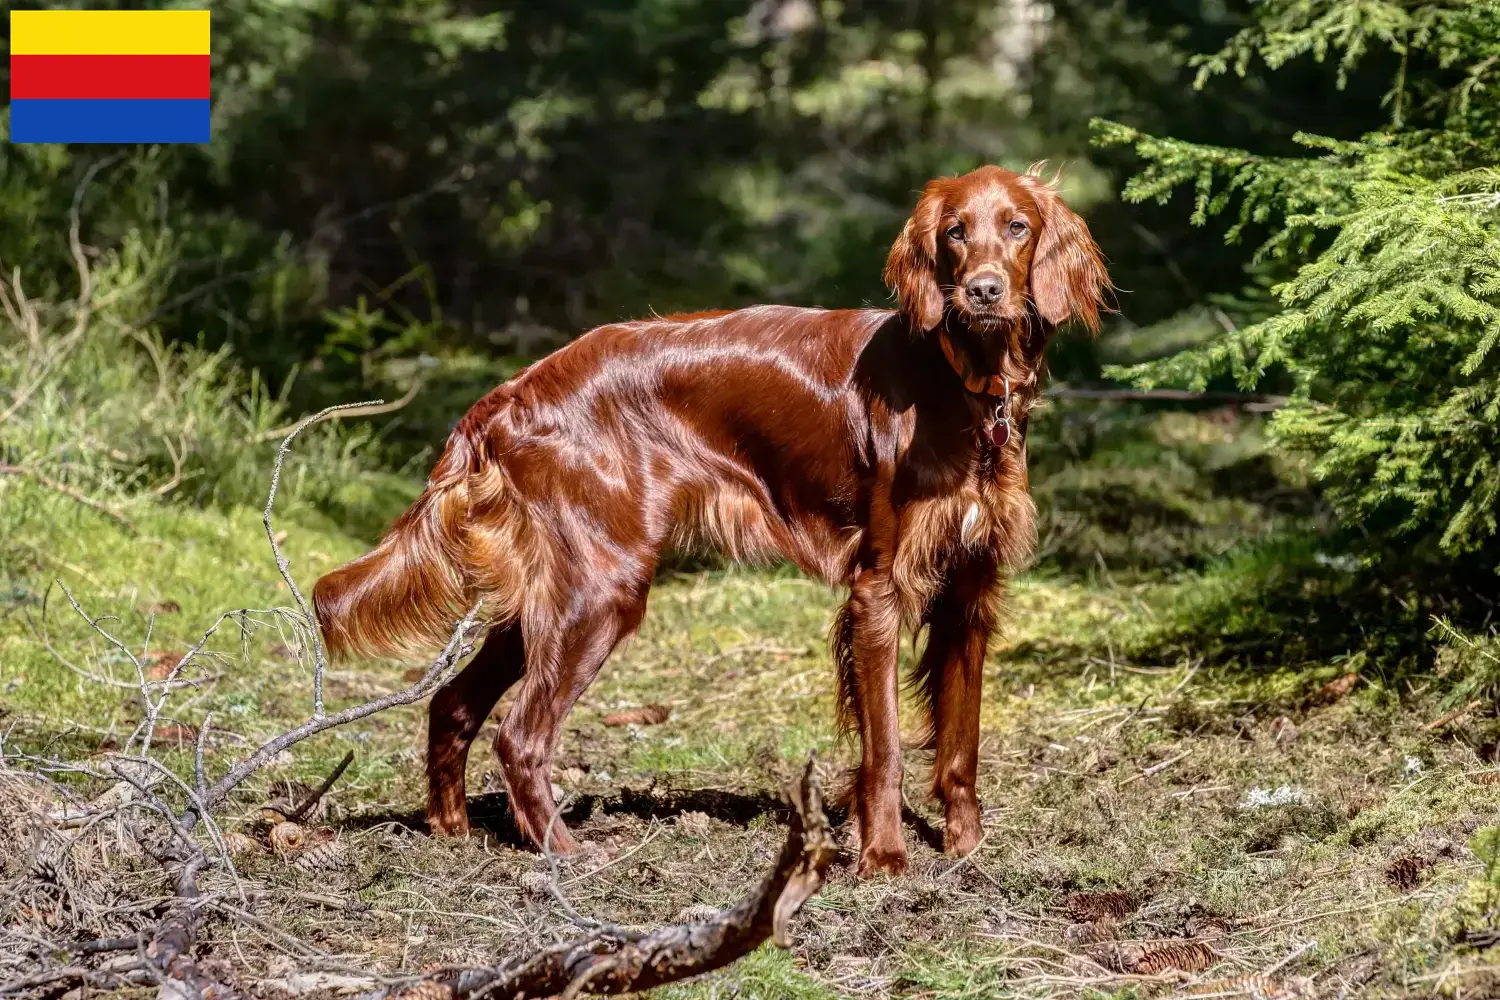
882	451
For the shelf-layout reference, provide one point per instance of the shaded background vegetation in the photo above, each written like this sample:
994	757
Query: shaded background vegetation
419	194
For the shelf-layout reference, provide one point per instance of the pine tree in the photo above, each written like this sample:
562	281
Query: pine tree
1389	249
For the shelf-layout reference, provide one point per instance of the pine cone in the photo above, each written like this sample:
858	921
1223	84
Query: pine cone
694	823
116	795
240	844
288	838
332	857
1157	957
1486	778
1206	926
49	860
535	883
1085	907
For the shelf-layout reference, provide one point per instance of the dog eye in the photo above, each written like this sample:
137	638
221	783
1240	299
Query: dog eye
1018	229
956	233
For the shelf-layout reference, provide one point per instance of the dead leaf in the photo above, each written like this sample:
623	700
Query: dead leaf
163	608
1405	872
178	736
414	674
649	715
1334	690
161	665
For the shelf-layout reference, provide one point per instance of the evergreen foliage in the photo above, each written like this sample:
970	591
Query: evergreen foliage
1386	251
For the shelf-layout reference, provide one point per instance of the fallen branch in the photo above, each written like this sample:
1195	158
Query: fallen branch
615	960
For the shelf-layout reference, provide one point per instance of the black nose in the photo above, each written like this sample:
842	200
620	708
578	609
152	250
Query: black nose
984	290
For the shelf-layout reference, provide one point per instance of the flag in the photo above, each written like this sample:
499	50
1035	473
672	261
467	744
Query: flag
109	76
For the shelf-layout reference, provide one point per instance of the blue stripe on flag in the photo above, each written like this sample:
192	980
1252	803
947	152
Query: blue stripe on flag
109	121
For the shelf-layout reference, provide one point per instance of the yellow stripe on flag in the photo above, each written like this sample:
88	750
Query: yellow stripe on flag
109	32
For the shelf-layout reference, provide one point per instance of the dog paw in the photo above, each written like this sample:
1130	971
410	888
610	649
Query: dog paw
877	859
962	830
448	826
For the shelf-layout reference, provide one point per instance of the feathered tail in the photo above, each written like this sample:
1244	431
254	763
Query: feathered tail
406	594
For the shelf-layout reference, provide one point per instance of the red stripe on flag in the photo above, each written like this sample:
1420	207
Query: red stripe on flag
108	77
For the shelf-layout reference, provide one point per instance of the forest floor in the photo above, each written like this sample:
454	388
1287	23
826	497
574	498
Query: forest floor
1151	828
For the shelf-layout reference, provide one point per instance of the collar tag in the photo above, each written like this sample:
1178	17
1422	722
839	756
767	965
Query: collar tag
1000	426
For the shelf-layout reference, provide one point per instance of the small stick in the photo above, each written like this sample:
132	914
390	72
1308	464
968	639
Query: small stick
1156	769
1294	953
1184	682
306	805
198	756
1453	716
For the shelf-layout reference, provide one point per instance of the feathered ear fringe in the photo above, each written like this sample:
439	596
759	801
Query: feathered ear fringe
911	268
1069	282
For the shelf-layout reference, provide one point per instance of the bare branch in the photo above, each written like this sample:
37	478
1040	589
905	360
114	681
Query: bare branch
375	408
306	805
284	565
459	646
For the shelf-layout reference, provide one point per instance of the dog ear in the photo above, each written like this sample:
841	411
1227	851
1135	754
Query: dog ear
911	268
1068	278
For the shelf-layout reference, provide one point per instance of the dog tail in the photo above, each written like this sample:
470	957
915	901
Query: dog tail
406	595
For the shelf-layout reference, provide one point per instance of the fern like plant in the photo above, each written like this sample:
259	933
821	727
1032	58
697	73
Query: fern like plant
1389	246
